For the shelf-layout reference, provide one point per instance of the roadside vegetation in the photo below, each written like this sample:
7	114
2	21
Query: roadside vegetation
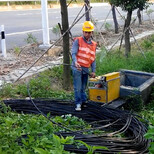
28	133
137	60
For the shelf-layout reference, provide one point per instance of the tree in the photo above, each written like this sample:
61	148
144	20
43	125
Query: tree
116	29
66	58
87	2
129	6
139	16
114	19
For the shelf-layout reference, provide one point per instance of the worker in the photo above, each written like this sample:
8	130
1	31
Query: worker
83	57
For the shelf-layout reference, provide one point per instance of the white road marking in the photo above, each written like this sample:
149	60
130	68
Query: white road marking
24	14
30	31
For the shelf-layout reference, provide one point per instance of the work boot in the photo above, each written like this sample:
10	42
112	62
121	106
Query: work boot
78	107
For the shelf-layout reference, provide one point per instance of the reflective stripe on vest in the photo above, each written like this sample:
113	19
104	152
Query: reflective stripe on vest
86	52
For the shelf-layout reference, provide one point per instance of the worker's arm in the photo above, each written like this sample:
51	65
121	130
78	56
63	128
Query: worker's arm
74	51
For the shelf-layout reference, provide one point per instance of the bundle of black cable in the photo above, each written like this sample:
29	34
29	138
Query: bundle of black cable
111	121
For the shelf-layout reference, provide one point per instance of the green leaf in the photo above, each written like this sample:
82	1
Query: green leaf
100	147
151	148
41	151
56	140
31	138
85	144
150	133
25	142
24	151
67	140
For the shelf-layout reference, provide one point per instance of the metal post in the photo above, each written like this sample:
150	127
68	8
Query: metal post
3	44
8	4
45	25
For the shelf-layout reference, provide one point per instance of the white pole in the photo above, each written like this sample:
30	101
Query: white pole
45	25
3	44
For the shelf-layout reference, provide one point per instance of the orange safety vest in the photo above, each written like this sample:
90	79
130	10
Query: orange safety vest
86	52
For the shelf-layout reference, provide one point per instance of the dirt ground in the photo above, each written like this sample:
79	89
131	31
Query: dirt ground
27	55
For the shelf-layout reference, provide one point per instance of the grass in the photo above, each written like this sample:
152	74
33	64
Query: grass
47	84
115	60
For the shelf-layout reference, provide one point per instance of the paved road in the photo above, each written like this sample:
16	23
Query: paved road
19	23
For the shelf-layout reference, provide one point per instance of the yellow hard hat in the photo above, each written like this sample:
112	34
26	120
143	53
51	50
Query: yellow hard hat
88	26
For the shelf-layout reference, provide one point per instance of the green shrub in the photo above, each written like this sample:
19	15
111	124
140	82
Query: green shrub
148	114
7	91
147	44
150	135
148	63
21	90
148	110
30	39
41	87
114	61
109	63
56	30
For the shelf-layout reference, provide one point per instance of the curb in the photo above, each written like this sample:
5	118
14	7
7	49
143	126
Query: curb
14	75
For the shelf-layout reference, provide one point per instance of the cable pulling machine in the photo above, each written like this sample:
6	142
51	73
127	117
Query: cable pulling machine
104	88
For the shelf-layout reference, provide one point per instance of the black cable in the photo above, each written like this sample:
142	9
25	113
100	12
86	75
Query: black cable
69	3
135	142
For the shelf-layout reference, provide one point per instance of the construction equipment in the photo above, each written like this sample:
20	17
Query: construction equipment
112	89
104	88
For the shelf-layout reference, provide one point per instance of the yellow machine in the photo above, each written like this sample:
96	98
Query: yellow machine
104	88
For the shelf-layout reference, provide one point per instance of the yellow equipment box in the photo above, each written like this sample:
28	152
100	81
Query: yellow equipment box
104	88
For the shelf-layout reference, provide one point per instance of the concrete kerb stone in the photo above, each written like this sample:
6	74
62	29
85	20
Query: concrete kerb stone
13	76
139	36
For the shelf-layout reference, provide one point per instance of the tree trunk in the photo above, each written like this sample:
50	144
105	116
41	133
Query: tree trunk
115	19
66	58
86	8
127	34
139	16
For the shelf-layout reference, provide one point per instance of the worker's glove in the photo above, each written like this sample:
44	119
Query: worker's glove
92	75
